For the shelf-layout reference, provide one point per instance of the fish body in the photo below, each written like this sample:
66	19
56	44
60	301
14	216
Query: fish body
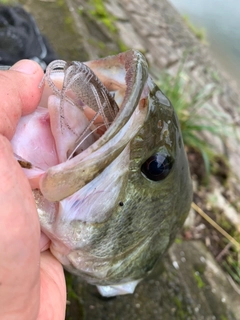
110	175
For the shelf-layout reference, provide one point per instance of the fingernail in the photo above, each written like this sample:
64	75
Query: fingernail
25	66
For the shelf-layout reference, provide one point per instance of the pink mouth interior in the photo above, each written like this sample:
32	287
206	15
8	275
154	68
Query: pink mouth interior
44	140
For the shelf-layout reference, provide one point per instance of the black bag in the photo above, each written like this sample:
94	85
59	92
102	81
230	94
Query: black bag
20	38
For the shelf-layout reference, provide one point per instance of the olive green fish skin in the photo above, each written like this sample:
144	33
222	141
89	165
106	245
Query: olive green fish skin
148	214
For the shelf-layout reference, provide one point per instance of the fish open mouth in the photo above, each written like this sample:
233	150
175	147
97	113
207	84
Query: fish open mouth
88	108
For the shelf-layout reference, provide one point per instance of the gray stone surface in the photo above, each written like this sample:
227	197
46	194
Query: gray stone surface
187	285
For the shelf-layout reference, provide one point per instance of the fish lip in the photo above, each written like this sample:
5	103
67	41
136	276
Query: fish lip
54	183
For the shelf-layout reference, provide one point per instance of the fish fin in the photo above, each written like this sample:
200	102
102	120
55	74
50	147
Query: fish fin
119	289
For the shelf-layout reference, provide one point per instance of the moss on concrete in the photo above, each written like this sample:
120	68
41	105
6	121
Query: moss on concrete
100	13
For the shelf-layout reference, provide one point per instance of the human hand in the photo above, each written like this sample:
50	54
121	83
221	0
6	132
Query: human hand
32	284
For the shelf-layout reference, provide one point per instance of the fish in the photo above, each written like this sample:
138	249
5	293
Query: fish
105	159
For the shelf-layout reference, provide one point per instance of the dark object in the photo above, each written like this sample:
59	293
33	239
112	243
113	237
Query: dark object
20	38
157	167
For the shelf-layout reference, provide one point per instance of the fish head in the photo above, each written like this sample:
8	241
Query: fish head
113	200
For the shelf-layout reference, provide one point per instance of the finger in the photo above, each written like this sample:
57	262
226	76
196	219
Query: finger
19	92
44	242
53	289
19	244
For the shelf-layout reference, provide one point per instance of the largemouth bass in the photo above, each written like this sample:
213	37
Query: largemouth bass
104	155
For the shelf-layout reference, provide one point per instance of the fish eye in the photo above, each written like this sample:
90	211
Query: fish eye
157	167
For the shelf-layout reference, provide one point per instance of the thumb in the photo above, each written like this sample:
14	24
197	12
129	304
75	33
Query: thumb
19	227
19	94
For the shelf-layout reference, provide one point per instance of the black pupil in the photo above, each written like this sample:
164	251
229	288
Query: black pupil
157	167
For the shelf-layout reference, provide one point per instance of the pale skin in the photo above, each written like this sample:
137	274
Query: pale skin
32	284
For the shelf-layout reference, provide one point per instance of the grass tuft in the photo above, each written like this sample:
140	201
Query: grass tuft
196	115
200	33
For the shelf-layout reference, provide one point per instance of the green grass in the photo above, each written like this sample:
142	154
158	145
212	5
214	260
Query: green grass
200	33
232	261
233	268
7	2
195	114
198	280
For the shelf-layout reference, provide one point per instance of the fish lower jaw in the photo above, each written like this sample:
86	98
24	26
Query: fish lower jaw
118	289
